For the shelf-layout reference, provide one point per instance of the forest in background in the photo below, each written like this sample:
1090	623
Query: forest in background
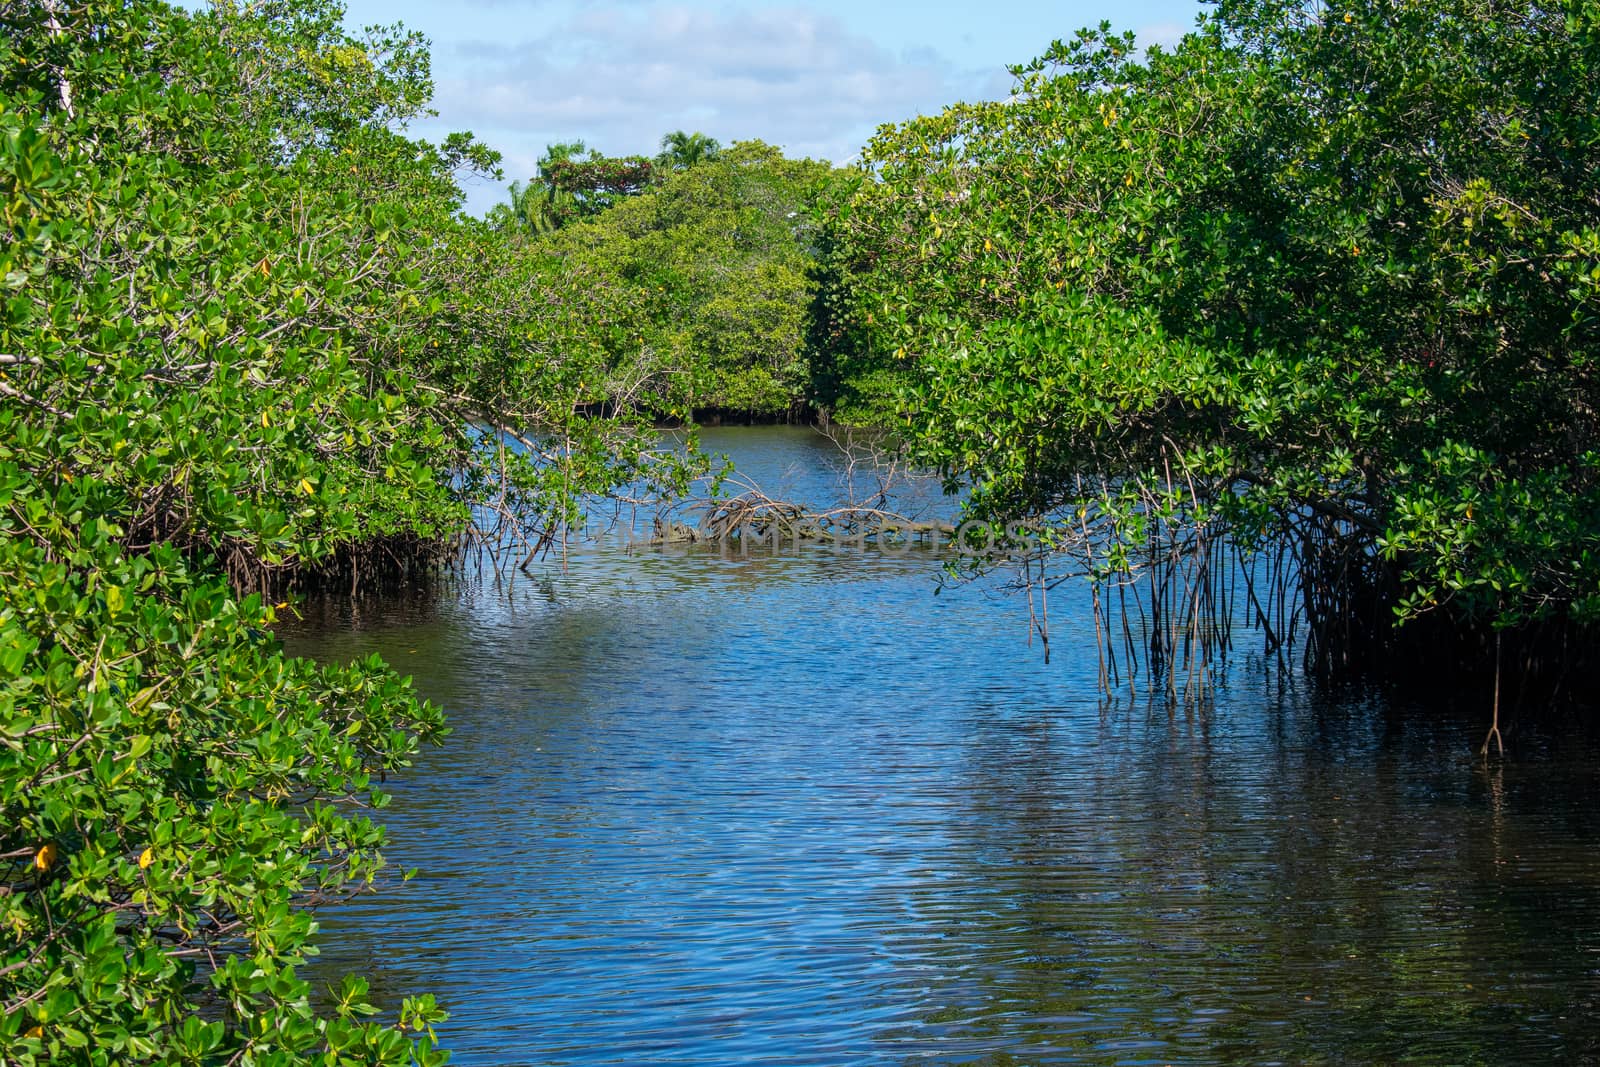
710	259
1316	286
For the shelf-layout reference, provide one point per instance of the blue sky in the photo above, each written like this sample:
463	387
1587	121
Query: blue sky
814	76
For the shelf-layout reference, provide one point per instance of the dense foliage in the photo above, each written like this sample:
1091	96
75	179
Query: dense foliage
1326	276
246	342
709	284
590	186
567	188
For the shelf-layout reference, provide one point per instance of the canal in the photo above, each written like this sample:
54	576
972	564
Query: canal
791	807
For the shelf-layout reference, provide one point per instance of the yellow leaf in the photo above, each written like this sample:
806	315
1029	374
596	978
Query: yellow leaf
265	266
1349	17
146	858
266	420
35	1032
45	857
306	487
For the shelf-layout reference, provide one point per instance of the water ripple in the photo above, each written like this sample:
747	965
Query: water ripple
793	809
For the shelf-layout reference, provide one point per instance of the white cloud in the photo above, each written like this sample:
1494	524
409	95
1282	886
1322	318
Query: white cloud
621	75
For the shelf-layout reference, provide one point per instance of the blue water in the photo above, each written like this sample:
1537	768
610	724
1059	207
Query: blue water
791	807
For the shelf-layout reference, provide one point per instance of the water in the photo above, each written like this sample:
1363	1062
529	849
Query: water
795	809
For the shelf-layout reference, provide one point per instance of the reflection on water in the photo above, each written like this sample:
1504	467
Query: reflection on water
794	809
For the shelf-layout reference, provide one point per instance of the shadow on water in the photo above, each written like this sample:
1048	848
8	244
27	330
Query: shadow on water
791	808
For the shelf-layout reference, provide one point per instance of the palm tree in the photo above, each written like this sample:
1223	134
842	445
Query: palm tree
560	152
680	151
539	206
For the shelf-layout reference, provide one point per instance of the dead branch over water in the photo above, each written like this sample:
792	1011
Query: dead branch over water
752	517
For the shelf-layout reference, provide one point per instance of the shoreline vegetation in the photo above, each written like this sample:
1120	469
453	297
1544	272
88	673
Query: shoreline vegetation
1315	291
1315	285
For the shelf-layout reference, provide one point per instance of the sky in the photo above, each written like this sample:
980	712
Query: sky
815	77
